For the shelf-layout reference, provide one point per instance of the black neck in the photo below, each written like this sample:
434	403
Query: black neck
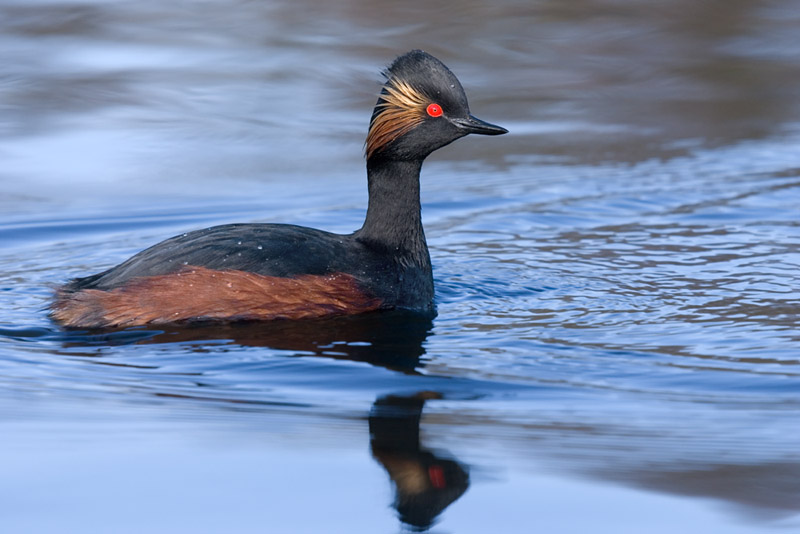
393	218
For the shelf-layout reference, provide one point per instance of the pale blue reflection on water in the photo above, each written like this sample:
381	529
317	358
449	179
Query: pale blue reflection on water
617	279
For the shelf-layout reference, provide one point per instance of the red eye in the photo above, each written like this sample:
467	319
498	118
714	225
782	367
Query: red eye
435	110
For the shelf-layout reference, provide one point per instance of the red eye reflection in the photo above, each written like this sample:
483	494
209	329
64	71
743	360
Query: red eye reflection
434	110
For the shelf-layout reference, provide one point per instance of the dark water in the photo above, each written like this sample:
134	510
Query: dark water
618	280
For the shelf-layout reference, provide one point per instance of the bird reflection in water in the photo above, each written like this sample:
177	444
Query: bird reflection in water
392	339
425	482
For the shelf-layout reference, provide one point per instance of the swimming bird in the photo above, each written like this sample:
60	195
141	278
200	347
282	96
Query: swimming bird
251	272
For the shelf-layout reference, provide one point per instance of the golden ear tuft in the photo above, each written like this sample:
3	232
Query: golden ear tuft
402	108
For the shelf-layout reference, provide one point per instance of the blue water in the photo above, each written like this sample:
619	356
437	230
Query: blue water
616	347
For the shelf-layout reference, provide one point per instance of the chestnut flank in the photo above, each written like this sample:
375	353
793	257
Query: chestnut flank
197	294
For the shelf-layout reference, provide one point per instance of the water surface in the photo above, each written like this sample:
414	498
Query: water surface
617	342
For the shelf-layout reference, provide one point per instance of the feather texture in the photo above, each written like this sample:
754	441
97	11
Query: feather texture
197	293
400	109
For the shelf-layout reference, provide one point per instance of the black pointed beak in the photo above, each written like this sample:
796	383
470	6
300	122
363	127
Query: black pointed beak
474	125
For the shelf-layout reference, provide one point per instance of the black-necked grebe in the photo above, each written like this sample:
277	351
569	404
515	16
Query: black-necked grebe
242	272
